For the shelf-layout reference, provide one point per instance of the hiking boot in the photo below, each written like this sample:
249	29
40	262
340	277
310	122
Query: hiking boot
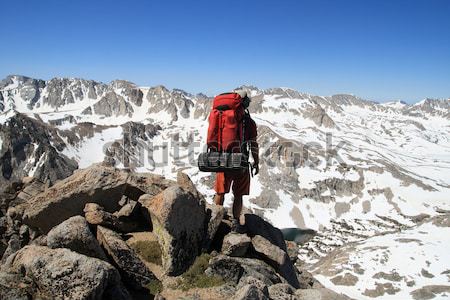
236	227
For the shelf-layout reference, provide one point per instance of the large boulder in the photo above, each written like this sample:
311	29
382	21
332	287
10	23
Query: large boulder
213	220
235	244
74	234
145	183
134	272
178	222
12	287
236	269
14	244
281	291
42	273
319	294
98	184
248	292
19	191
277	258
68	197
31	187
256	225
225	267
253	281
96	215
186	183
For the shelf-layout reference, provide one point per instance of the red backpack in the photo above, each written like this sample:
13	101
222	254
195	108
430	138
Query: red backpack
225	131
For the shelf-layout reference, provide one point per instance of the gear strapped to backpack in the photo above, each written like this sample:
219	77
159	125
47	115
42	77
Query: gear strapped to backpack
225	140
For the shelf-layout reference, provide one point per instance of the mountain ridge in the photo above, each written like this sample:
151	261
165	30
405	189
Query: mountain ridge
246	87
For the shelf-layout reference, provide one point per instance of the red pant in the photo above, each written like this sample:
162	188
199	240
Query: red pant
240	180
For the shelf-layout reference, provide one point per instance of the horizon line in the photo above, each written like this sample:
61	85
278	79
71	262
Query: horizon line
240	85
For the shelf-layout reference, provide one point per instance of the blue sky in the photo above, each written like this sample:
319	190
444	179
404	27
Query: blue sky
377	49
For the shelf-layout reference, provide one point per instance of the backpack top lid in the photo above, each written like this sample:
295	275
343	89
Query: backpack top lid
227	100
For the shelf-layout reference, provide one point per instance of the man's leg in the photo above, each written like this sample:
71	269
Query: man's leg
237	208
219	198
241	186
221	186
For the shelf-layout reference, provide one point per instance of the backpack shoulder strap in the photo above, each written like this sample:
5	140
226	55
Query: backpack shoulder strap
244	125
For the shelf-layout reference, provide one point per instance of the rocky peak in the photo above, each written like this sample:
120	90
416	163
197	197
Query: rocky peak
285	93
58	92
112	104
11	79
397	105
129	90
202	96
31	148
250	89
430	107
181	93
346	99
28	89
122	84
20	79
176	102
6	81
63	91
158	91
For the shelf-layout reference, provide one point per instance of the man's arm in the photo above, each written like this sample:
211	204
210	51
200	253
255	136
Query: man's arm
254	148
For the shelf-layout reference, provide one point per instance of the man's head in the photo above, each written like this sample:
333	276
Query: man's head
245	98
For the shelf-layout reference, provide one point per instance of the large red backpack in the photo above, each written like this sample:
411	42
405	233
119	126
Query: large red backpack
225	131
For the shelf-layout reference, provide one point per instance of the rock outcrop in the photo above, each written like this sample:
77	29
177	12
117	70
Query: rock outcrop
74	234
276	257
134	272
250	291
41	272
235	269
179	233
184	246
98	184
235	244
213	220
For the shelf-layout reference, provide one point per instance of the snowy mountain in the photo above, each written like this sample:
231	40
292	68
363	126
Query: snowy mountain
361	174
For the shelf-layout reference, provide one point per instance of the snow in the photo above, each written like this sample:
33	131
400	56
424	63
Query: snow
91	150
284	103
37	165
278	216
5	116
394	104
308	175
420	103
406	253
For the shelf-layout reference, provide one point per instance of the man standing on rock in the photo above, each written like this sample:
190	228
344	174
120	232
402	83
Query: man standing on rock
240	179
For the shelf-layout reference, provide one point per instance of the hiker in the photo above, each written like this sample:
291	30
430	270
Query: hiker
239	181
